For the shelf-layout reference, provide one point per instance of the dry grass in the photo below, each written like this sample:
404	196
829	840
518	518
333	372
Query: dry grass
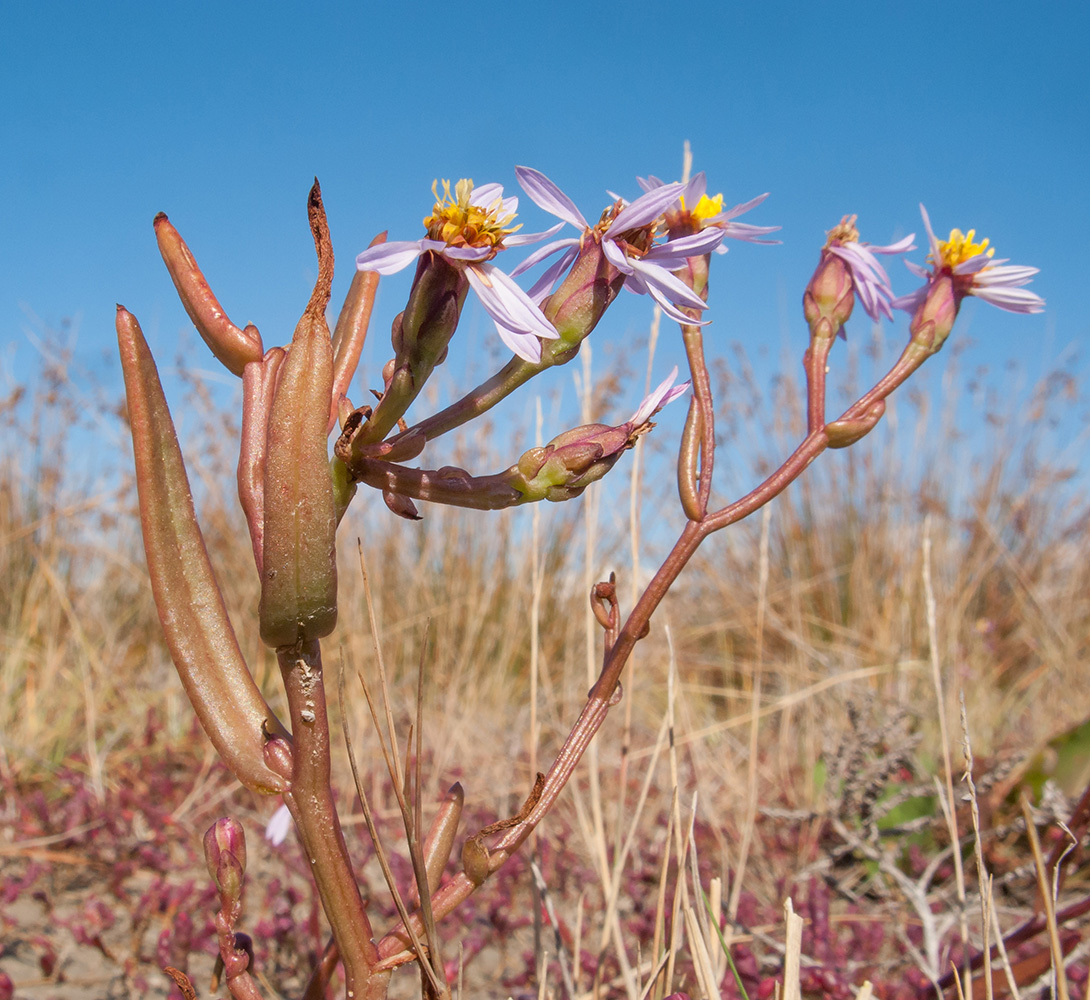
843	618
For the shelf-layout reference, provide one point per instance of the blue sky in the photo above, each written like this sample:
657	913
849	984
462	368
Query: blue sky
220	115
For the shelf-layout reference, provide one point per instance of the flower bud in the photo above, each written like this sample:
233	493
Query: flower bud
828	300
569	463
225	855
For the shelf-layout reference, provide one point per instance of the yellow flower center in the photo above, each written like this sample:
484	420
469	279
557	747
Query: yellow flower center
960	248
706	208
458	222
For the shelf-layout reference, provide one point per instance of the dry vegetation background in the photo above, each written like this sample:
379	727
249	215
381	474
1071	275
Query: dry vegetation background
786	692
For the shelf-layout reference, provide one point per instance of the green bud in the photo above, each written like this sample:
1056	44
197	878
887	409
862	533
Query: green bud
569	463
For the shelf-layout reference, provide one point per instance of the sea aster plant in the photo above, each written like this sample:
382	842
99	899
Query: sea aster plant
972	271
468	229
647	271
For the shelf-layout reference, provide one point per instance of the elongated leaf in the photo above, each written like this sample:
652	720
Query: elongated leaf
232	346
299	567
191	609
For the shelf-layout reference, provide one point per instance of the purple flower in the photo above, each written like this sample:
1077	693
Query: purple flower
647	272
974	272
468	230
695	211
869	278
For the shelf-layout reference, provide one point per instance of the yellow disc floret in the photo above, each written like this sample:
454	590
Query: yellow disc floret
458	222
960	248
706	208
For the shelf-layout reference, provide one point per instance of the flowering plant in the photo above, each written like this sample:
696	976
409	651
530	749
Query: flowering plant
294	492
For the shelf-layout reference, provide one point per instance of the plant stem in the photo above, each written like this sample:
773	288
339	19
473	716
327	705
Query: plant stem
310	802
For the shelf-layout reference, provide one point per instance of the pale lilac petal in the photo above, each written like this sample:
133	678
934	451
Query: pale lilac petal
659	397
743	230
913	300
648	183
1002	287
486	194
471	254
863	263
978	262
917	269
507	303
901	246
616	256
646	208
1016	300
670	284
276	831
669	308
869	278
746	233
389	258
545	283
523	239
1012	276
525	345
541	253
695	190
740	209
932	242
545	194
677	251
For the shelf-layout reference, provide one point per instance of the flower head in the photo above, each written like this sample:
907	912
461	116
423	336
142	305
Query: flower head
972	271
573	460
626	236
480	224
468	229
694	211
869	278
